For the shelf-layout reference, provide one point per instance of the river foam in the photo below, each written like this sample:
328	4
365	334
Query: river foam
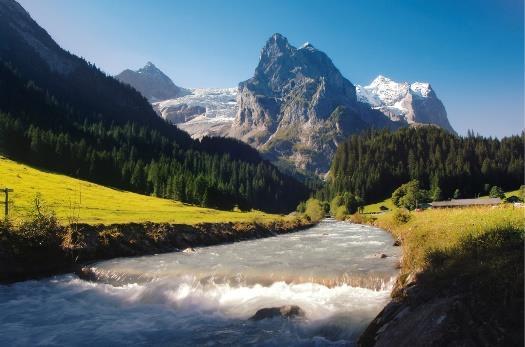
208	296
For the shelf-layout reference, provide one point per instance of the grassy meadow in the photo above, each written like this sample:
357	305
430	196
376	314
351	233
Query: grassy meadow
475	253
81	201
375	207
443	229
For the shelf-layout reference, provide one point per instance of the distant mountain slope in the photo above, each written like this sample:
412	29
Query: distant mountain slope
298	106
62	113
152	83
409	102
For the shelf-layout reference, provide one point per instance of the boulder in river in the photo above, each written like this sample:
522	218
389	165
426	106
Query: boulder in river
286	311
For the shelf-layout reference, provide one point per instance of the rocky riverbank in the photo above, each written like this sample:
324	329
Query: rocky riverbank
457	287
24	255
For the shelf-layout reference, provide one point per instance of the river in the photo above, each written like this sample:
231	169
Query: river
333	271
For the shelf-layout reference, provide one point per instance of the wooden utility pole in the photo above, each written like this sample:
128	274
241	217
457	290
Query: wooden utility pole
6	192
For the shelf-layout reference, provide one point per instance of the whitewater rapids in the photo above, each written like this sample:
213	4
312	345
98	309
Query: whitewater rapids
333	271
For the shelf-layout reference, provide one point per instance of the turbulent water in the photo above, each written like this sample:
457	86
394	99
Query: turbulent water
333	271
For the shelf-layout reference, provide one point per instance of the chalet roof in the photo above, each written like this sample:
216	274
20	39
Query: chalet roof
466	202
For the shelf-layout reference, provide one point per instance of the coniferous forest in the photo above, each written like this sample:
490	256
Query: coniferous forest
372	165
76	120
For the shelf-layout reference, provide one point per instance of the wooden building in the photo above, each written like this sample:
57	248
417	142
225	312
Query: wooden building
466	202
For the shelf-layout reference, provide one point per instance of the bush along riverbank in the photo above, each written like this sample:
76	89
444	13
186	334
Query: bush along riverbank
461	280
41	246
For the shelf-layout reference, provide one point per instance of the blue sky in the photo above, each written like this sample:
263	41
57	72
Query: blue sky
470	51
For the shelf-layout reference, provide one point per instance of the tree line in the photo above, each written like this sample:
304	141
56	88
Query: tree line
371	165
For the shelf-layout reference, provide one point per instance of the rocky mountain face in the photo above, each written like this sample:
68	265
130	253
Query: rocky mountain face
152	83
408	102
298	106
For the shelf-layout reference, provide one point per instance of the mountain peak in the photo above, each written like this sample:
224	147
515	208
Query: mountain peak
380	79
422	89
276	45
409	102
308	45
151	82
149	68
278	38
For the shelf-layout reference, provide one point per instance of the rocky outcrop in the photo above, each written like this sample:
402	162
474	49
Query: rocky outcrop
79	243
183	113
412	103
422	316
152	83
298	106
287	311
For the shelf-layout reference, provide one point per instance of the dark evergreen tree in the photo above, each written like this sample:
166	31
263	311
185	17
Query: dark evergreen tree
373	164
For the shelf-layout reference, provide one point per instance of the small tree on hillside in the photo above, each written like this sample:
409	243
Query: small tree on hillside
301	207
335	203
350	202
436	194
409	195
314	210
497	192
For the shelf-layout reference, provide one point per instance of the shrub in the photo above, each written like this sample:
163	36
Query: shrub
497	192
301	207
402	216
335	203
513	199
360	218
341	213
42	229
326	207
314	210
409	195
350	201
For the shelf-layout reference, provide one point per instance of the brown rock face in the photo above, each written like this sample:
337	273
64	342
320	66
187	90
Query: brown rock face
298	106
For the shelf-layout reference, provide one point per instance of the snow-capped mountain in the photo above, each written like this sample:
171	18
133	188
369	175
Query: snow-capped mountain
152	83
204	111
296	108
402	101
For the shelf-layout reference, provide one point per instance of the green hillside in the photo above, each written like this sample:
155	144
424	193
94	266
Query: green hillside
92	203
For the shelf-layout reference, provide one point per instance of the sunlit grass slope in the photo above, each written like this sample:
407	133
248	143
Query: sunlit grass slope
76	200
375	208
442	229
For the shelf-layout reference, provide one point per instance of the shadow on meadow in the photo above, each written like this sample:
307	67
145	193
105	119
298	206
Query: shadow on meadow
487	273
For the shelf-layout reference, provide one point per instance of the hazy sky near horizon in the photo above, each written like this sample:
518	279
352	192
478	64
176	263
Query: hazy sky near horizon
471	51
